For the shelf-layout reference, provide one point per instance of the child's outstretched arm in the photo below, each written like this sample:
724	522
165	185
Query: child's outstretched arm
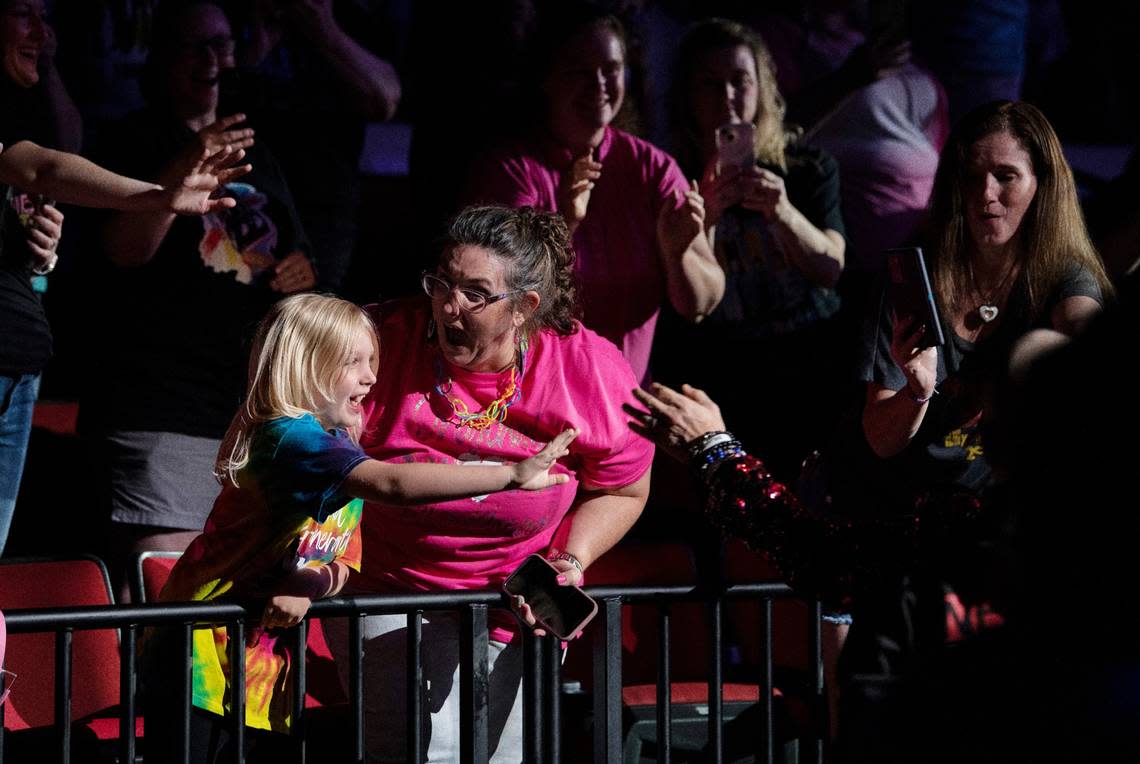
294	593
425	483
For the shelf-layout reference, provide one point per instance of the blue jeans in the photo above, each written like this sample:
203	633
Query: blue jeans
17	401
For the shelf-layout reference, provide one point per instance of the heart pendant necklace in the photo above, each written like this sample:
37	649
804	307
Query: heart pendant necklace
988	309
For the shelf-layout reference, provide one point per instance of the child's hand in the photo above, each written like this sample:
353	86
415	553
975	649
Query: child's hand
533	474
284	610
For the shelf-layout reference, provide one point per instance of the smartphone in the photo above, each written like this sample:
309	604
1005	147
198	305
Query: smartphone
562	610
735	146
910	293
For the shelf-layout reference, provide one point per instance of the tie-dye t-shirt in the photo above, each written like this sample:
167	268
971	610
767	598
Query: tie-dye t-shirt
286	512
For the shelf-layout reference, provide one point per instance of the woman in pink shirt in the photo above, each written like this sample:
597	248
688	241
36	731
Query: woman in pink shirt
491	364
636	222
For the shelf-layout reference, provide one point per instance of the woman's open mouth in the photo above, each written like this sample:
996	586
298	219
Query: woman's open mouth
455	336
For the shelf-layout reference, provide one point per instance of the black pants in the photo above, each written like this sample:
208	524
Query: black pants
211	740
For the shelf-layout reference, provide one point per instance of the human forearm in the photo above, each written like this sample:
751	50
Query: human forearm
818	254
401	484
694	280
426	483
71	178
314	583
372	81
891	418
132	239
599	519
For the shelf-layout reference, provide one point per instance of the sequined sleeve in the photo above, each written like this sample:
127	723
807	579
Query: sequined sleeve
819	553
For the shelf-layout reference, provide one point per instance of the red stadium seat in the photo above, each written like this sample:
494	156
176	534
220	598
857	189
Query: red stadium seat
29	715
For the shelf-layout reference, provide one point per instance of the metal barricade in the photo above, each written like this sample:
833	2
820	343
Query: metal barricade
542	710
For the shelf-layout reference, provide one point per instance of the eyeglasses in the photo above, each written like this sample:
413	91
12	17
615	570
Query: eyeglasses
6	680
221	46
469	300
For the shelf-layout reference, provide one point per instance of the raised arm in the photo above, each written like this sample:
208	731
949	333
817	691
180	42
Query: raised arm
891	418
694	279
401	484
132	238
72	179
817	253
371	81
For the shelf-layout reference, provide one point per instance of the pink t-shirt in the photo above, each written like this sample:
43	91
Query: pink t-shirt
619	262
580	381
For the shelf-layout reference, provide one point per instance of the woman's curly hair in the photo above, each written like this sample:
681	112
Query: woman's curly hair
535	247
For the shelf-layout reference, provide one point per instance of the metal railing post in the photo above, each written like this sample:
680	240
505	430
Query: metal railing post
474	703
128	686
664	688
415	686
607	684
63	692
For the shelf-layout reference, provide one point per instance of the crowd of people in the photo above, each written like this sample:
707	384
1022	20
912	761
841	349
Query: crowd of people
583	273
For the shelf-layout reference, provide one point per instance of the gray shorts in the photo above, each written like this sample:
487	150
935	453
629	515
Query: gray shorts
161	479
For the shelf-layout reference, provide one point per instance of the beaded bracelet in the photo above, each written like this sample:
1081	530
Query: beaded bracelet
716	454
707	441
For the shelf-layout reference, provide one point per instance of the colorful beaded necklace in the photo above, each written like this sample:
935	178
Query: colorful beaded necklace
496	410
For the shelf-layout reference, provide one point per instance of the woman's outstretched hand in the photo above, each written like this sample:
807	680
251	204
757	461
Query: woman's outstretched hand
208	164
672	418
533	474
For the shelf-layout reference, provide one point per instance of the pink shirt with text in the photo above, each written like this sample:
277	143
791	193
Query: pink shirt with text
576	381
619	265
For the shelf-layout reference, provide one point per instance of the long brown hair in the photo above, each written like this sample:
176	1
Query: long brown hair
1053	238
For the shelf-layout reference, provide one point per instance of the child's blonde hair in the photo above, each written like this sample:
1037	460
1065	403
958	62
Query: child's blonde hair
297	356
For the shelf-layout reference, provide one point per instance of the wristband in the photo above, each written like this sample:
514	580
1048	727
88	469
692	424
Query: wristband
704	442
47	267
569	558
918	400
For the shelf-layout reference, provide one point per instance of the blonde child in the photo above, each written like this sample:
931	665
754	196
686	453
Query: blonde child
285	528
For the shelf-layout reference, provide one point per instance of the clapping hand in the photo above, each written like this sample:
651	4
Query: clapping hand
573	193
678	226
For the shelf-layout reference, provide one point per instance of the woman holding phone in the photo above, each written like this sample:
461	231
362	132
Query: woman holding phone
775	226
1008	252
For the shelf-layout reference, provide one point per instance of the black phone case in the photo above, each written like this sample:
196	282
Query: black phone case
910	292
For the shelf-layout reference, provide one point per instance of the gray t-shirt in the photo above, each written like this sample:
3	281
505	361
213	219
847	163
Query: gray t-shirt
947	453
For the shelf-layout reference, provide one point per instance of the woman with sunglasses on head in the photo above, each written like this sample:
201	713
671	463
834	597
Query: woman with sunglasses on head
490	364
